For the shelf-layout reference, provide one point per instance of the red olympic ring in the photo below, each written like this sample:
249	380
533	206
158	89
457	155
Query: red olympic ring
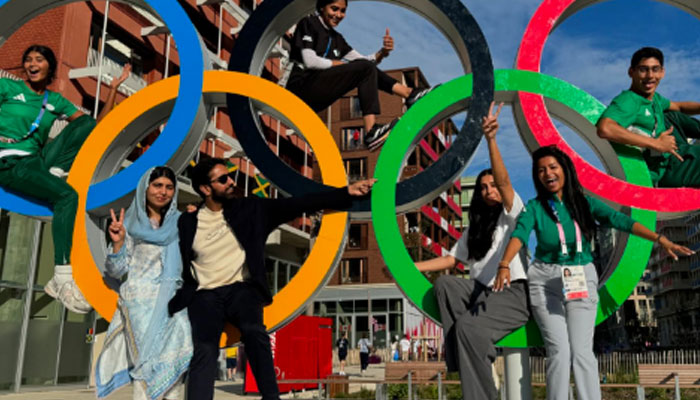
548	15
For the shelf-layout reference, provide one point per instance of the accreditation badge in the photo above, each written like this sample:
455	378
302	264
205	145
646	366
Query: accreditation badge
574	282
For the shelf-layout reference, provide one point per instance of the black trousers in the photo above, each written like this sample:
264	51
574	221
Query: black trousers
364	361
241	305
319	88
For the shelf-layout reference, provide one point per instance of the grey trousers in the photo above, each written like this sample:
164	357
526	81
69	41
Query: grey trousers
567	330
473	319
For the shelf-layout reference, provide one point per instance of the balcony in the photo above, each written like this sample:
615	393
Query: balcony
110	70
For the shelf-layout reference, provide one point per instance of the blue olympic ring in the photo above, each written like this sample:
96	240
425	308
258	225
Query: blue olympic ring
176	129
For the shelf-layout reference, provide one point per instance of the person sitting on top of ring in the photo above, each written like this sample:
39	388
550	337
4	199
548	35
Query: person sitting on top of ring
326	68
33	167
641	117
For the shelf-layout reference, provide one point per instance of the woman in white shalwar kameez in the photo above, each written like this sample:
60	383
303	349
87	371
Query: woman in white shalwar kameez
145	345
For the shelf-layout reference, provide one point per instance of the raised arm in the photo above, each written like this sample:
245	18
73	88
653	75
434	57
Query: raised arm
686	107
112	96
490	126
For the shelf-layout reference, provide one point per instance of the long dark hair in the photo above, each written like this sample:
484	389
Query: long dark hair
159	172
572	195
47	53
482	221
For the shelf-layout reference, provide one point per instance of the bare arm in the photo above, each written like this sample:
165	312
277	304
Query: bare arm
686	107
500	174
112	96
610	130
437	264
503	275
670	247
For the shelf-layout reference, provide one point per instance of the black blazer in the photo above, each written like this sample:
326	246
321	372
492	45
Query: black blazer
252	219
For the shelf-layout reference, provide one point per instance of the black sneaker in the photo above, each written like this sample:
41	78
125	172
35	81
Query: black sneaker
417	94
378	134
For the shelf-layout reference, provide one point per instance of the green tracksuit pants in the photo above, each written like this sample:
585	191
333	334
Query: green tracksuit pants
687	172
29	176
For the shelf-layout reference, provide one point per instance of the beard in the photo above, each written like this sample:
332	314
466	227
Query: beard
221	197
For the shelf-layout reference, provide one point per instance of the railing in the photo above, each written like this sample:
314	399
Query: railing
114	69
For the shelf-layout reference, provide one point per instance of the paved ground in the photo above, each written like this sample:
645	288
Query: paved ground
224	390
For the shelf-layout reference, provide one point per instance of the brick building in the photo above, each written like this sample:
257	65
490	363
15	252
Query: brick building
361	295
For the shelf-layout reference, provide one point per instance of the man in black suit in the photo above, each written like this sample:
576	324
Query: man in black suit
222	246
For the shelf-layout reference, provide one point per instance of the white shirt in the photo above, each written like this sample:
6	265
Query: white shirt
405	345
485	270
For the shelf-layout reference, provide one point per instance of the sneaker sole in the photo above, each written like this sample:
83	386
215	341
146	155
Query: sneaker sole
379	142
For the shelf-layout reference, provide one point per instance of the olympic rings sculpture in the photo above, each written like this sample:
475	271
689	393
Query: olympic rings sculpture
195	92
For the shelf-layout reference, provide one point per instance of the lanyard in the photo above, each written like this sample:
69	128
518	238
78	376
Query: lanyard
328	47
560	228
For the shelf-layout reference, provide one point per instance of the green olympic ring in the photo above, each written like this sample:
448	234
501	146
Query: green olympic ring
413	283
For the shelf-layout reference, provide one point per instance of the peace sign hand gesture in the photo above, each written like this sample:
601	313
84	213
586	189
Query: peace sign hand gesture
116	230
489	123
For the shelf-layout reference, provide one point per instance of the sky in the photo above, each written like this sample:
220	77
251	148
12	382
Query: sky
590	50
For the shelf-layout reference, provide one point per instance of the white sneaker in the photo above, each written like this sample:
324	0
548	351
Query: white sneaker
58	172
52	288
73	299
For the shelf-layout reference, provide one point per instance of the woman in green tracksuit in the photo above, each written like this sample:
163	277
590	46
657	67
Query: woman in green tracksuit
563	282
33	168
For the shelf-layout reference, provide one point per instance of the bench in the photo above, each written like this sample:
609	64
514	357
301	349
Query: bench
419	370
665	375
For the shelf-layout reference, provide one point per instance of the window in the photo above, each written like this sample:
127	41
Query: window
357	238
353	270
352	138
355	111
356	168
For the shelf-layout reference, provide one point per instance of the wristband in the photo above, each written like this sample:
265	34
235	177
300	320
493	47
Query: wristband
658	239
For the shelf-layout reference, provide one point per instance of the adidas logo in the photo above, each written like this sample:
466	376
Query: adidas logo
647	113
20	97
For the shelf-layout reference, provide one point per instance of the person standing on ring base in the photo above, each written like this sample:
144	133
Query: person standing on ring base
564	221
478	312
143	344
659	127
34	167
222	246
326	68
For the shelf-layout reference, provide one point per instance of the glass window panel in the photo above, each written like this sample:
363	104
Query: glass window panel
330	306
281	274
16	234
75	349
396	304
11	310
271	273
45	262
345	306
361	306
42	341
379	305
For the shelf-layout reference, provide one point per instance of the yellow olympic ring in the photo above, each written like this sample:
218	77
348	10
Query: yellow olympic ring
333	225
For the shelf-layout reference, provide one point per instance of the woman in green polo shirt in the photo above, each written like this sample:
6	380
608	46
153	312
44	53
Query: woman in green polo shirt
565	304
33	168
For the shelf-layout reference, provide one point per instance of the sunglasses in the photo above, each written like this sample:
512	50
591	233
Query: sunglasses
222	179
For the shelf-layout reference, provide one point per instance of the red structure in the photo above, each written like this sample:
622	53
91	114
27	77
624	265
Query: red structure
301	350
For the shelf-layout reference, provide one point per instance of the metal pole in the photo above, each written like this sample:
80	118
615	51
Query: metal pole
167	56
640	392
439	385
678	387
410	387
27	306
99	62
517	374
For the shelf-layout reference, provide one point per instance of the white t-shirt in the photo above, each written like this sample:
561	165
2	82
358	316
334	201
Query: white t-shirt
485	270
405	345
364	345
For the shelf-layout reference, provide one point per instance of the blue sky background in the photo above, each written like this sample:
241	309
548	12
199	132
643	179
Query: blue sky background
591	50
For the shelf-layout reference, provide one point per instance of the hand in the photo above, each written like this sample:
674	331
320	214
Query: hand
666	143
673	249
116	229
387	44
502	279
361	188
335	63
191	208
489	123
125	74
